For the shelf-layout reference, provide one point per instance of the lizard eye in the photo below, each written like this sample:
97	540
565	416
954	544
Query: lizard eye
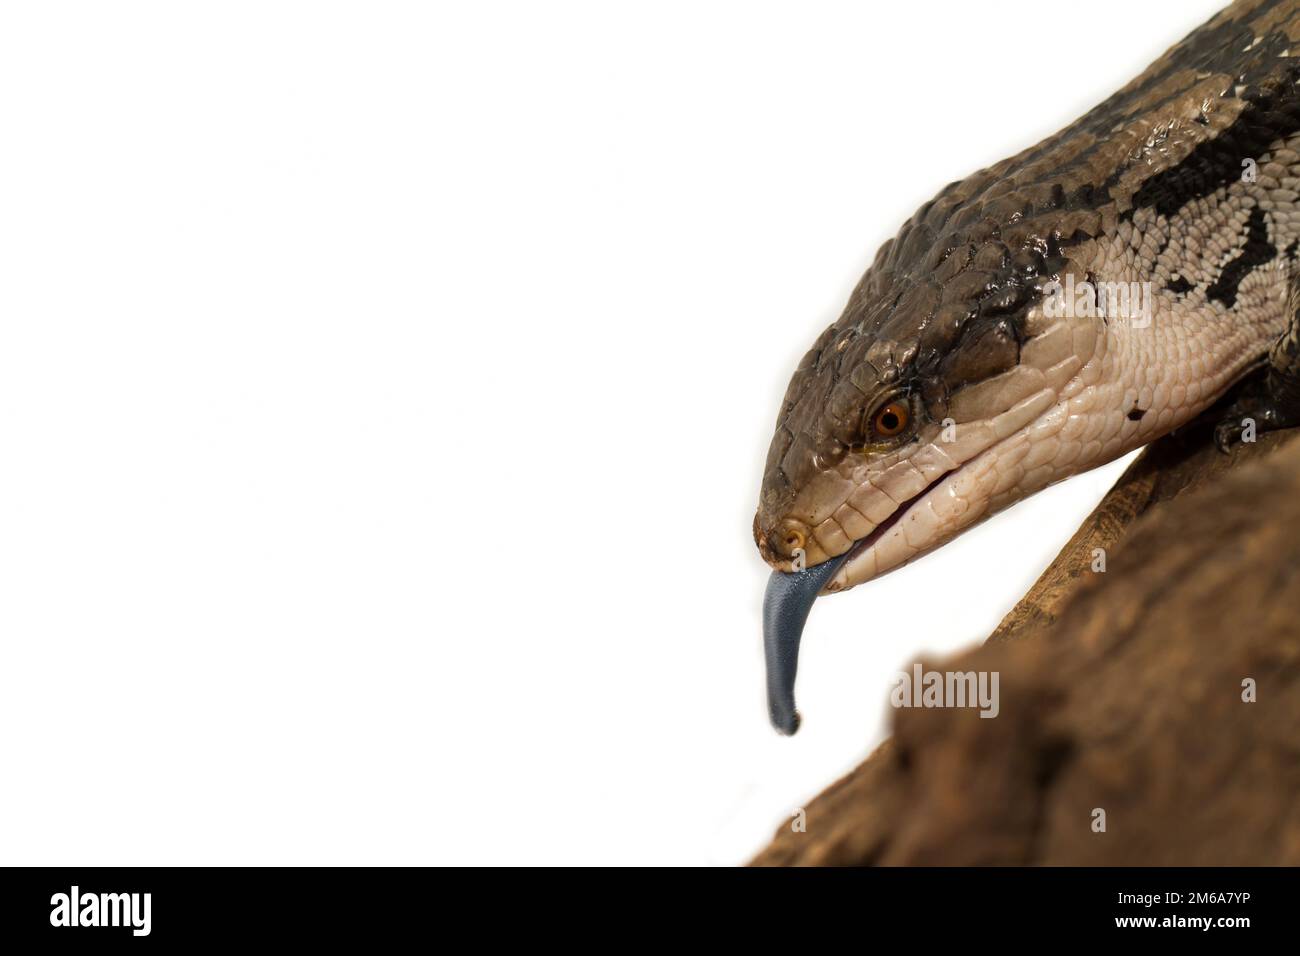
890	419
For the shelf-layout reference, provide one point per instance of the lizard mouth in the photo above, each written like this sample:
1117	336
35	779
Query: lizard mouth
786	603
863	544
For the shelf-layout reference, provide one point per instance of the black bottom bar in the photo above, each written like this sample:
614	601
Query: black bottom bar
370	906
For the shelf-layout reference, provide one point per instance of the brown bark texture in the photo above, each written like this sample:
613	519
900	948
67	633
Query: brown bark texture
1120	691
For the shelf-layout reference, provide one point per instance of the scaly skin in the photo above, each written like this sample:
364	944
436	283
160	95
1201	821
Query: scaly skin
1147	187
1187	179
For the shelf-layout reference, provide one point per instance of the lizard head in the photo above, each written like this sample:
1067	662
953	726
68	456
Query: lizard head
919	412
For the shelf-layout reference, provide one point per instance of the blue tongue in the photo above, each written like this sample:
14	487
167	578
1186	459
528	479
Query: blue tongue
786	603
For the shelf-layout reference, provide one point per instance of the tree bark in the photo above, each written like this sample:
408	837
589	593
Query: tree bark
1120	694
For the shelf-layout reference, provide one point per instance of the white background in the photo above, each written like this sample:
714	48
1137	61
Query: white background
384	393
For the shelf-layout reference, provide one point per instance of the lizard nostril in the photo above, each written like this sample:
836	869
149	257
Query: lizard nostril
789	538
782	542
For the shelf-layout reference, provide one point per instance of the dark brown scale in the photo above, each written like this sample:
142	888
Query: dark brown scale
1257	251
